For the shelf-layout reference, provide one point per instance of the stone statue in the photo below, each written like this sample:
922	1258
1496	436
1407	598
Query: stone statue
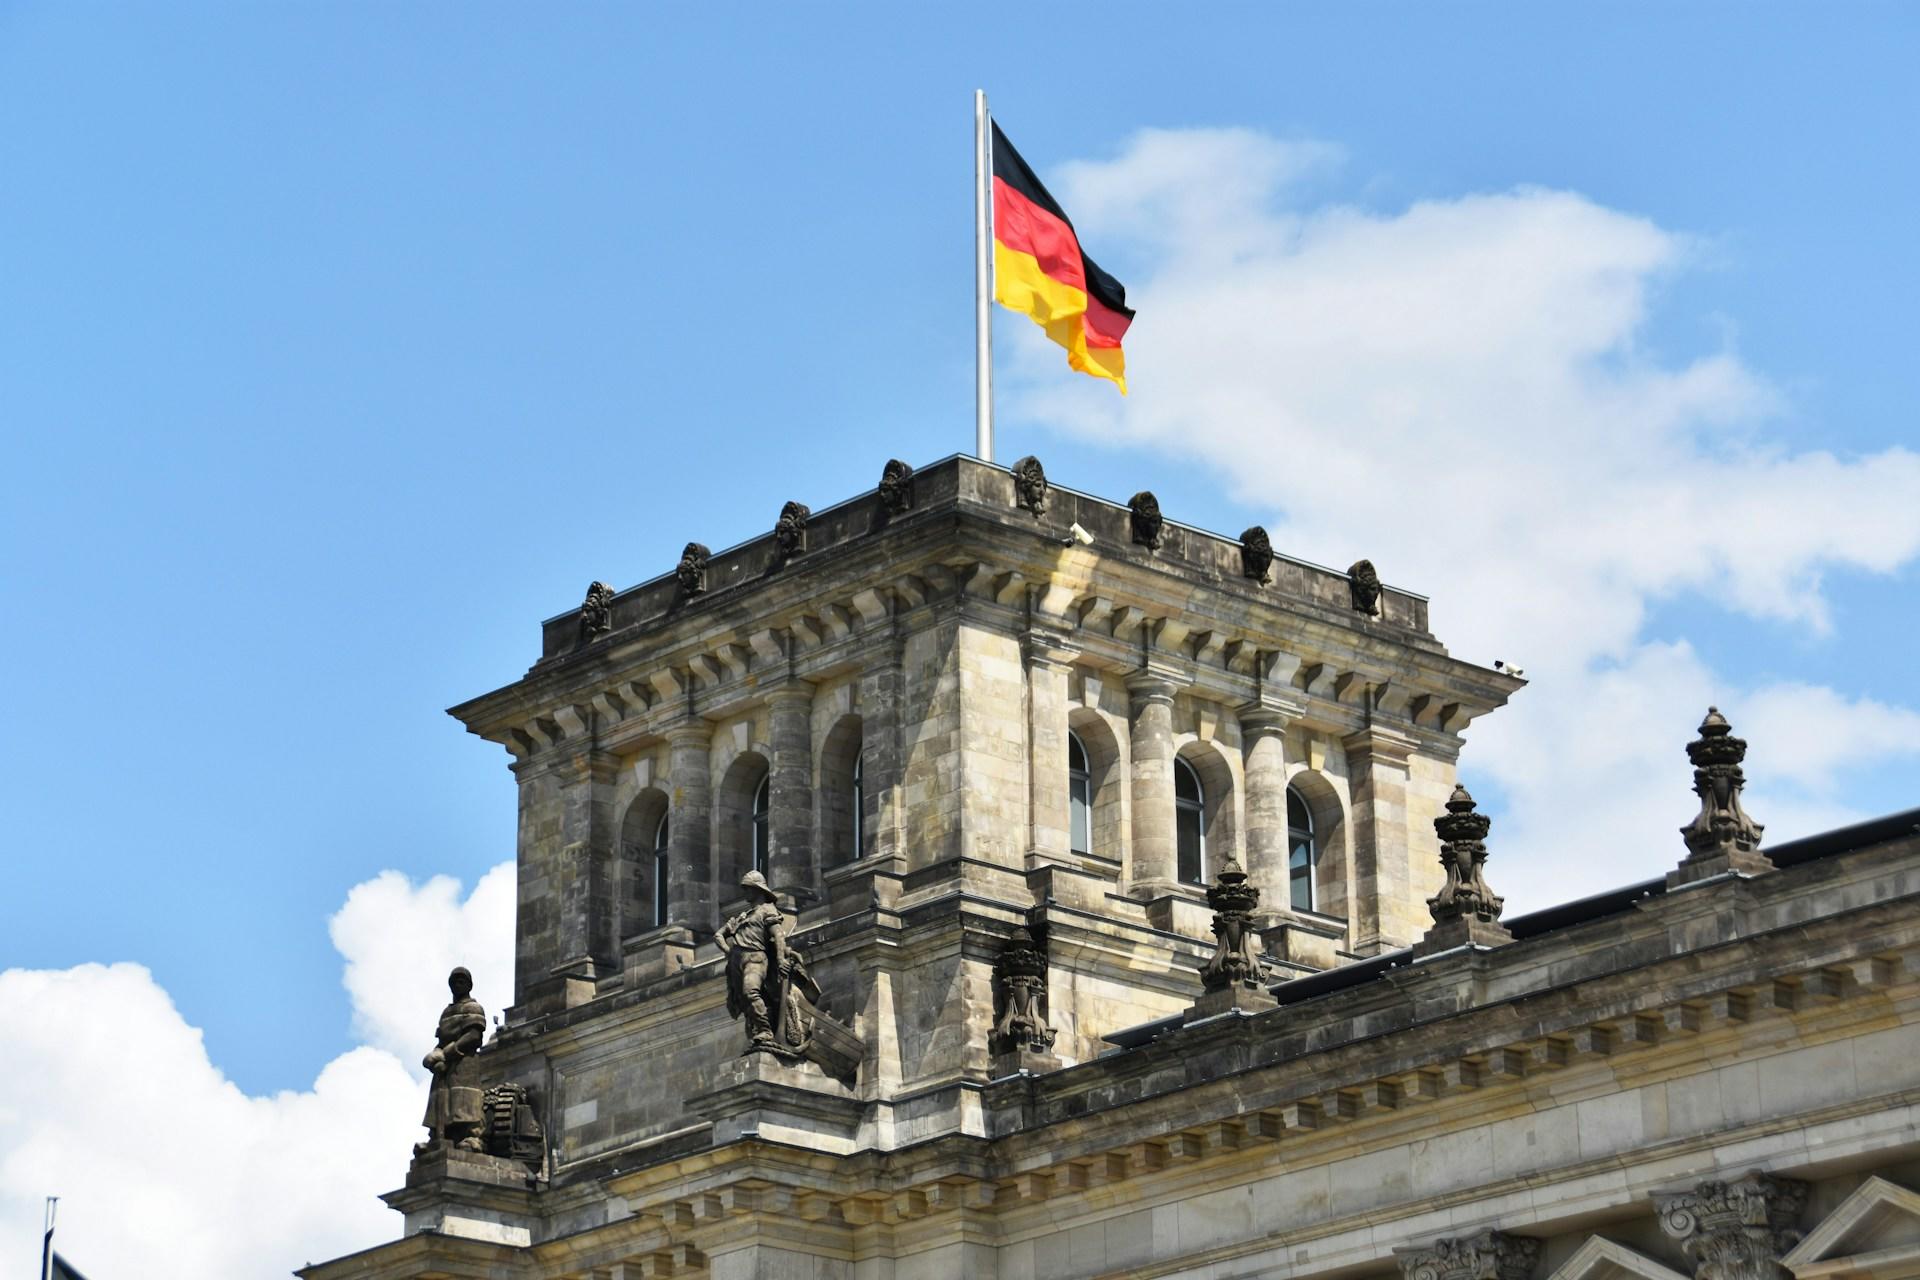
767	981
1721	827
896	488
1030	484
1149	530
1256	554
1233	901
790	532
1022	970
1463	852
692	569
455	1103
1364	586
596	614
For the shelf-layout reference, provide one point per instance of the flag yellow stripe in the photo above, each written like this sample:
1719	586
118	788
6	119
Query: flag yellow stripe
1019	284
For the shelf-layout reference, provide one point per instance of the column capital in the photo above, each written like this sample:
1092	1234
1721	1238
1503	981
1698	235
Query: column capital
789	691
1155	683
693	732
1047	649
1490	1255
1379	742
1270	713
595	763
1735	1230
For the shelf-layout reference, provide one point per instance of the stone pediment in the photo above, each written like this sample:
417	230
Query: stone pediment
1875	1232
1603	1259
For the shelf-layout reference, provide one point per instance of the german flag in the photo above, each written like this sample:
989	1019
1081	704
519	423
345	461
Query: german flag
1040	271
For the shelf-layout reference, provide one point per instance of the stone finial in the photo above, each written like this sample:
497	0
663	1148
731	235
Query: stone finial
1256	555
1149	530
1363	586
1721	837
596	614
1466	910
1490	1255
692	569
1030	484
1021	970
1233	901
1735	1230
790	532
896	488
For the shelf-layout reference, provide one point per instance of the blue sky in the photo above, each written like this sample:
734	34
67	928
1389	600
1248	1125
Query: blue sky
342	343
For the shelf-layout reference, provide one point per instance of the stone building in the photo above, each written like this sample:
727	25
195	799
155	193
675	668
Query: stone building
1145	933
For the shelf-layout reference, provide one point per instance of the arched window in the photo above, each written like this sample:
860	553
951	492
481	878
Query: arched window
660	873
1079	797
859	807
762	797
1189	823
1303	852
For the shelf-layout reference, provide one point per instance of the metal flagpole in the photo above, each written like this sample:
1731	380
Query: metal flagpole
982	281
46	1242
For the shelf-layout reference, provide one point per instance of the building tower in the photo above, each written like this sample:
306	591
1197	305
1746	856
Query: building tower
1141	929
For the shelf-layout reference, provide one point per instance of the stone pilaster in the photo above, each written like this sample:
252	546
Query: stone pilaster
1047	817
882	693
790	867
1735	1230
690	827
583	881
1152	872
1263	727
1383	904
1490	1255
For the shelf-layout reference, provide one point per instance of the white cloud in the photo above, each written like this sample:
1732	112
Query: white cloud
390	927
1460	391
165	1167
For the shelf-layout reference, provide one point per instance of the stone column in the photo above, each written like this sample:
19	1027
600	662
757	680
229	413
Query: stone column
1384	911
1047	807
790	791
689	827
1735	1230
1152	872
1263	727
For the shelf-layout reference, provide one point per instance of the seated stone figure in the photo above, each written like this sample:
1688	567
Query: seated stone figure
456	1113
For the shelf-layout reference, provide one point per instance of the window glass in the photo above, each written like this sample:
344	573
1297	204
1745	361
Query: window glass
1079	797
1189	824
760	798
1302	852
660	873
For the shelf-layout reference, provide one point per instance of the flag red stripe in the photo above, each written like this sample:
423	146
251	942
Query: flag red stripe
1104	326
1026	227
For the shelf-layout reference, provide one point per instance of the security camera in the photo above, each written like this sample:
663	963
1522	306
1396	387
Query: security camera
1077	534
